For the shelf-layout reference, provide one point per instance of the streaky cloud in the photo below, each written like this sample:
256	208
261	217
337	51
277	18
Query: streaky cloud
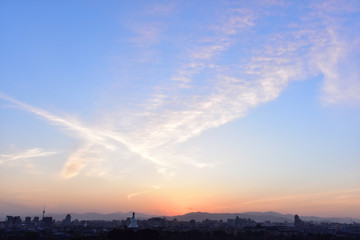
299	52
135	194
93	136
29	153
181	110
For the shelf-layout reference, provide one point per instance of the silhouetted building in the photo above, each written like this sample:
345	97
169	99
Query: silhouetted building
192	223
299	224
237	222
27	220
36	219
67	220
9	219
16	220
47	221
230	222
297	220
156	222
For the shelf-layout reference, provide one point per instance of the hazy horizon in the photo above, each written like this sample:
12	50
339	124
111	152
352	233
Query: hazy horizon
173	107
142	215
33	213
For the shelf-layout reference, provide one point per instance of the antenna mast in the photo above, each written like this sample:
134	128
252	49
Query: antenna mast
43	212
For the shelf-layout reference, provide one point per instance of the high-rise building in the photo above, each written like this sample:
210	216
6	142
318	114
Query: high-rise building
67	220
16	220
27	220
47	221
9	219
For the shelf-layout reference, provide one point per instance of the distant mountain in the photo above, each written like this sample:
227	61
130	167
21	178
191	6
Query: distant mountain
197	216
258	217
331	219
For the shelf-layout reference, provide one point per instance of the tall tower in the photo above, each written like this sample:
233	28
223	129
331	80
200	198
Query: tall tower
43	213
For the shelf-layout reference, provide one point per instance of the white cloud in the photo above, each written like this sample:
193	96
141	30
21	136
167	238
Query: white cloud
147	34
298	53
160	9
79	159
201	57
180	111
135	194
29	153
336	50
337	62
95	138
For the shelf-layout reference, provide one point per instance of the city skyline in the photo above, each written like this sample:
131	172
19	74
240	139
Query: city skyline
175	107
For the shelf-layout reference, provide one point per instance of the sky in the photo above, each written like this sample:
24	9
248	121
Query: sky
169	107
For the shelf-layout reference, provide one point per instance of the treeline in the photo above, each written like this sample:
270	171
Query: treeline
149	234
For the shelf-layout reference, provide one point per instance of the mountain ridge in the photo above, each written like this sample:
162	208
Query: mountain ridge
260	217
200	216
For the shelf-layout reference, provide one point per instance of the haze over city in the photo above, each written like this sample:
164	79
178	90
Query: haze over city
170	107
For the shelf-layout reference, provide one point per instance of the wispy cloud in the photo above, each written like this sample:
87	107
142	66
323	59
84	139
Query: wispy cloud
135	194
335	50
295	53
259	75
160	9
230	97
29	153
201	57
335	60
95	140
147	34
79	159
147	28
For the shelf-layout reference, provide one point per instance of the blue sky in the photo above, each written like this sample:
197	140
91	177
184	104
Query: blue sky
243	105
